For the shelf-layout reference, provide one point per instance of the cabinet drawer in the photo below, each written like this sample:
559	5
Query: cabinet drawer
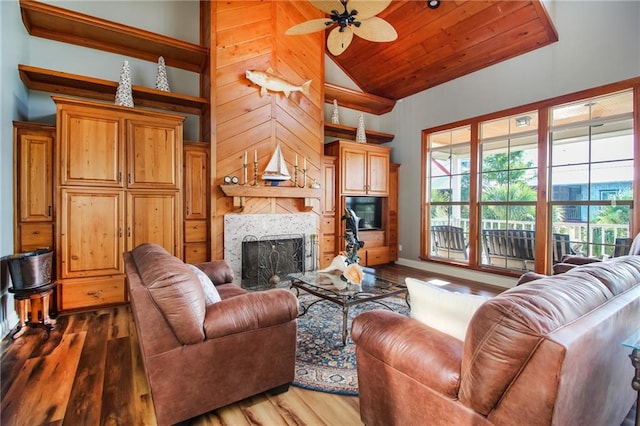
328	243
36	235
325	259
327	225
377	256
91	292
195	231
195	253
372	238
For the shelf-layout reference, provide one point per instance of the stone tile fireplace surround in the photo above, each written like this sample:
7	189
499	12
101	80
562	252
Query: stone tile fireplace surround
238	226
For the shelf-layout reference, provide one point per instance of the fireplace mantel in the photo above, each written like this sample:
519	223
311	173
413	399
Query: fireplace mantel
239	192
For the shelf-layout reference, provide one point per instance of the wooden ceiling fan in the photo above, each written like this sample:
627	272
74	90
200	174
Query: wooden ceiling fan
359	20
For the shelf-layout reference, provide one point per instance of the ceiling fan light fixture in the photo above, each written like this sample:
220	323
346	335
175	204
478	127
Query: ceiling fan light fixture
433	4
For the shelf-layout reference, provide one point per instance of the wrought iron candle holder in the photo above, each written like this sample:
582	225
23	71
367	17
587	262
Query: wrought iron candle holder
255	173
295	177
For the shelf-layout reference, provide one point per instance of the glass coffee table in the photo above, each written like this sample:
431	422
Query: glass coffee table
330	287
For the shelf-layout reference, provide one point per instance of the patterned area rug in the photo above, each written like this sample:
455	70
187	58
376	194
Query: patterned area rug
322	363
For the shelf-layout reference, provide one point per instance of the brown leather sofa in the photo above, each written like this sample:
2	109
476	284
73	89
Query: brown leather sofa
547	352
200	358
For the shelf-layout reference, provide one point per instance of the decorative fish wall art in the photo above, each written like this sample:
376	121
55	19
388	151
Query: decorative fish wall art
269	81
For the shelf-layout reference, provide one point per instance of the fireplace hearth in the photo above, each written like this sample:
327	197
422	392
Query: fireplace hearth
241	228
267	260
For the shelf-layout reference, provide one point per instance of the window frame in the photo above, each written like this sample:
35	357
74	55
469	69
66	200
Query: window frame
543	246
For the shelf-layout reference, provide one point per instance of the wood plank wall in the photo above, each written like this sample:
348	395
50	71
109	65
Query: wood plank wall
246	35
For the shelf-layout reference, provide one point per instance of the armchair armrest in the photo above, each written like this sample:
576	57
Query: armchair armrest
579	260
427	355
250	311
219	271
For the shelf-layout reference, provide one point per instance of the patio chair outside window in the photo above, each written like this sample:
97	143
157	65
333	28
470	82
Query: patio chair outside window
449	241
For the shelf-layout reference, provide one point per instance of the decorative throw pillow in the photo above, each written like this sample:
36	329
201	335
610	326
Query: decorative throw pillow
211	295
447	311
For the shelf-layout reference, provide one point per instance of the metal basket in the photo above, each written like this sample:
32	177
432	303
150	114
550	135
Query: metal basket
30	270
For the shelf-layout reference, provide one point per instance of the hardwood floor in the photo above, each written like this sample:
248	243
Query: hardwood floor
89	372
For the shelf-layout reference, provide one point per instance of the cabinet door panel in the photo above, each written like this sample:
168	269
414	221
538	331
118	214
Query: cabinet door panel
354	171
90	149
151	218
195	183
91	232
153	159
36	178
378	173
329	200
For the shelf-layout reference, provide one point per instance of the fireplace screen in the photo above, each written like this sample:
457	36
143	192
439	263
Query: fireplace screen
267	260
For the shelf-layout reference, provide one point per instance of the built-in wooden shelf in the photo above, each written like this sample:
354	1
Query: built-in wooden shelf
55	23
95	88
347	132
360	101
240	192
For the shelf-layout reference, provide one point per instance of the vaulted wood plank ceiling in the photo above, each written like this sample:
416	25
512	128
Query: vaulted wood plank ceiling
438	45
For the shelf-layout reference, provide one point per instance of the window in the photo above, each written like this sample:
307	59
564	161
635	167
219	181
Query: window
485	188
448	182
508	191
592	155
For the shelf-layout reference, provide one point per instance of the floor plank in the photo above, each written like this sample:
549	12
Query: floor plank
89	372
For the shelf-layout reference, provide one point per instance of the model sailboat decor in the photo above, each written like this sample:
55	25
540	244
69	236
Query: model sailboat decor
276	170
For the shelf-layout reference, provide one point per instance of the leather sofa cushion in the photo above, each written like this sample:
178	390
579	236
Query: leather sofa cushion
175	289
507	329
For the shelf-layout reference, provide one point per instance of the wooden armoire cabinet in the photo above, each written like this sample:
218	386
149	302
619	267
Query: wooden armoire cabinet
364	170
196	209
118	184
33	177
393	211
328	217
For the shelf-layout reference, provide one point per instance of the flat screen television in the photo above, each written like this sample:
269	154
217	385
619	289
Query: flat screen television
368	209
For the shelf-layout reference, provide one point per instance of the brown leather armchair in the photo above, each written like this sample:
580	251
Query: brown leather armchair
198	358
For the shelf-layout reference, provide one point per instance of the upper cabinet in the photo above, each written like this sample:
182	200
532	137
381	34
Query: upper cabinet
55	23
96	155
364	168
35	171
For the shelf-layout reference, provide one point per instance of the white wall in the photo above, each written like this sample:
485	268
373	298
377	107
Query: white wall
13	106
599	43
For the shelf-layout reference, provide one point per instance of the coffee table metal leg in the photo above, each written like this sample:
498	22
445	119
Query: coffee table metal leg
345	315
635	383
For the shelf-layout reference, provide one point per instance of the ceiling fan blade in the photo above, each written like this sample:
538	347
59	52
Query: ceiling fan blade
328	6
337	42
367	9
375	29
309	27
